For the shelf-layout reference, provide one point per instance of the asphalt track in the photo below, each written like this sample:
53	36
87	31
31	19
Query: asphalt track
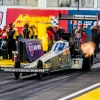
53	87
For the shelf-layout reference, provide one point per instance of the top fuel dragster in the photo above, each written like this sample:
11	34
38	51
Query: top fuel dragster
63	55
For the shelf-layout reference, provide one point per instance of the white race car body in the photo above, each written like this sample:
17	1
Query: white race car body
59	57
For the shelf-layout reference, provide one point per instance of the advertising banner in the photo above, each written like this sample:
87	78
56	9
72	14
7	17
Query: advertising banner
34	49
33	16
3	16
86	24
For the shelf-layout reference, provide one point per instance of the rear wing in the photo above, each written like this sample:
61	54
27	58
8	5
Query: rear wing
77	17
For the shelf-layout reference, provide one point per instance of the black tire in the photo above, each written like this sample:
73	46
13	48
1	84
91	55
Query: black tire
39	66
87	62
17	65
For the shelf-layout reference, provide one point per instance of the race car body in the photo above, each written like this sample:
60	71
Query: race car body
57	59
65	54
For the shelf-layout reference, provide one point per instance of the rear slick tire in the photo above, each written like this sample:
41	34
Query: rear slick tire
87	63
39	66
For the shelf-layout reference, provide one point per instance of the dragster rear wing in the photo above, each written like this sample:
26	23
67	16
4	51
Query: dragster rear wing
77	17
23	70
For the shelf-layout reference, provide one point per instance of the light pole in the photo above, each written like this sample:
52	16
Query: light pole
78	6
58	3
2	2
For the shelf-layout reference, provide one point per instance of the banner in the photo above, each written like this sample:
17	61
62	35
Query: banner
3	16
33	16
86	24
34	49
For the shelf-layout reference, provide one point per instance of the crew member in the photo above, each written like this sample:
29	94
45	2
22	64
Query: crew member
95	37
35	32
56	33
31	27
12	39
83	37
50	37
27	32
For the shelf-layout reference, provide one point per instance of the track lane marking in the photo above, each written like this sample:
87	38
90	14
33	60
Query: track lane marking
92	95
79	92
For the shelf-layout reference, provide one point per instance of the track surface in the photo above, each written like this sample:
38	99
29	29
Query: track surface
52	87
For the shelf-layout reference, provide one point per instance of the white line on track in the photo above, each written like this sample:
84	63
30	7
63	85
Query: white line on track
96	65
79	92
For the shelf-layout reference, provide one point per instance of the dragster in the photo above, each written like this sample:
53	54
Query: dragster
64	54
59	57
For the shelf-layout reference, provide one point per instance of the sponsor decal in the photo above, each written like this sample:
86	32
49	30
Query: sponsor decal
32	48
85	24
34	16
1	17
37	47
32	20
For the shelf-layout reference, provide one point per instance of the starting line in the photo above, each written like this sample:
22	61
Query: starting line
79	92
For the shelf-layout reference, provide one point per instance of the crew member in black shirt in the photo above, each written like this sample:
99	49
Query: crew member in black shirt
27	32
12	39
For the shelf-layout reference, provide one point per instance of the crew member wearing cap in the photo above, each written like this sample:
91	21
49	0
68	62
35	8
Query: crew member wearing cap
27	32
12	39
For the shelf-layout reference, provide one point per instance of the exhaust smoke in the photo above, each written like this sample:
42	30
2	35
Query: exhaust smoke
88	48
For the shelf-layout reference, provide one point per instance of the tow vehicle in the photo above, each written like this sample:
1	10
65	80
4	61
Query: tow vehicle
63	55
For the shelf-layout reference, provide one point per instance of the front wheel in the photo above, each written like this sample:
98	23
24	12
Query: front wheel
87	62
17	65
39	66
